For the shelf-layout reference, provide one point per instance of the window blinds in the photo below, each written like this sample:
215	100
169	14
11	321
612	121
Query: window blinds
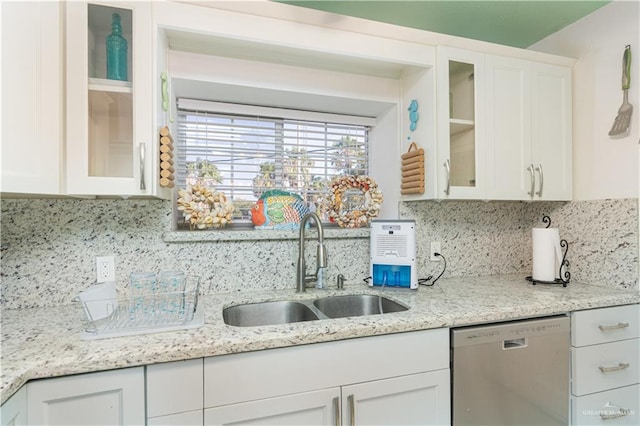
244	154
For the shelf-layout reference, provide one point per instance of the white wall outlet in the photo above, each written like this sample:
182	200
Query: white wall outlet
435	248
105	269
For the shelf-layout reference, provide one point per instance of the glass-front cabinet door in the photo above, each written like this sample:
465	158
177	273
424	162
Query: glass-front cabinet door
109	109
460	123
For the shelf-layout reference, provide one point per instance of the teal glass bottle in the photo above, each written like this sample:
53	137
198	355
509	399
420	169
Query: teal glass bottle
116	51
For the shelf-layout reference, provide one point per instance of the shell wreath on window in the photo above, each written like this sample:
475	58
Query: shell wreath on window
352	201
203	208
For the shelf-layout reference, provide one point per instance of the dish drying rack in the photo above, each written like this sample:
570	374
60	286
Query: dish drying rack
144	314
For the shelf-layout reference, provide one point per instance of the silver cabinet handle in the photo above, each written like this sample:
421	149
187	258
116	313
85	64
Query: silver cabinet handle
533	180
620	366
336	410
447	167
141	148
352	408
539	170
621	413
618	326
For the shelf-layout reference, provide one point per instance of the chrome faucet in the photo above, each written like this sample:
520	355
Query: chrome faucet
321	257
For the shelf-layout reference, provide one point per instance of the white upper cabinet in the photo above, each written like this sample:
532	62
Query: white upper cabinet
551	131
528	130
32	97
111	140
509	174
460	122
504	128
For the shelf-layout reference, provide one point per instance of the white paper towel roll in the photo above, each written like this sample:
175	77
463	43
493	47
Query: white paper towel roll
547	254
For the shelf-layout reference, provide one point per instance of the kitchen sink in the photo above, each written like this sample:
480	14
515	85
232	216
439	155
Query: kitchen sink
285	312
267	313
356	305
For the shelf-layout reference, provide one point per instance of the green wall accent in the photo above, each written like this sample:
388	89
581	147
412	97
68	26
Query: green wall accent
508	22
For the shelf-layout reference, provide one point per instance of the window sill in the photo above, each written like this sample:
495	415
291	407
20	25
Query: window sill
258	235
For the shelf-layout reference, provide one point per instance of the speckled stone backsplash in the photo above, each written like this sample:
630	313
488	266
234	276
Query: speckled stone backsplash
484	238
49	246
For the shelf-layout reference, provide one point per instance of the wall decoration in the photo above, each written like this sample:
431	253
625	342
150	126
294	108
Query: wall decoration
353	201
413	115
413	171
278	209
166	159
203	208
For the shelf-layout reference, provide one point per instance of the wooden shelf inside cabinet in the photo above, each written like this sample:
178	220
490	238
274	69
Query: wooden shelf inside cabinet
460	126
106	85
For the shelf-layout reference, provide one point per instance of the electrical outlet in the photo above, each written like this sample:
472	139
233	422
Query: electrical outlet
105	269
435	248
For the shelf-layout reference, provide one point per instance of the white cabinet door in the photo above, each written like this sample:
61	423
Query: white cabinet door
418	399
309	408
551	131
460	117
190	418
111	142
106	398
175	387
528	130
14	411
510	173
32	97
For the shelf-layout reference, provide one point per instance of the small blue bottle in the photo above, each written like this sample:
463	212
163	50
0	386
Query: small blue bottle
116	51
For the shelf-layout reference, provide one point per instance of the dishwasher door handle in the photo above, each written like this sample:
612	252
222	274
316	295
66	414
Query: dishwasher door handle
514	343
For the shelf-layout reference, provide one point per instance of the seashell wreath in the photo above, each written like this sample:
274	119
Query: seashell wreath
334	201
204	208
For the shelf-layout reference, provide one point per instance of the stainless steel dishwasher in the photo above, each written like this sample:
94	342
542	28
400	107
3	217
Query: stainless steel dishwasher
513	373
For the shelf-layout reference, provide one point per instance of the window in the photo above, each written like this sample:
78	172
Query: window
244	150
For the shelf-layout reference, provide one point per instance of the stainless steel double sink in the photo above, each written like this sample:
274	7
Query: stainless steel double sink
285	312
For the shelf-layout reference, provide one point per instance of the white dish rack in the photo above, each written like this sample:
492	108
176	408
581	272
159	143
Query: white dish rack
143	314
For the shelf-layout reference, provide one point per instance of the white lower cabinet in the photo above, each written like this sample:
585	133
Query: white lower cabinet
417	399
605	371
190	418
393	379
319	407
614	407
408	400
106	398
175	393
14	411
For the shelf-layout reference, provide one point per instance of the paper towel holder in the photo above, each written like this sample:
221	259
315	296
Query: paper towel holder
564	274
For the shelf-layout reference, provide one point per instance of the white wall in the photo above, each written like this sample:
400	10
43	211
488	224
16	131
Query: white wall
603	167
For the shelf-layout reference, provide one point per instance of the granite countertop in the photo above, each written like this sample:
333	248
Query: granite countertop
47	342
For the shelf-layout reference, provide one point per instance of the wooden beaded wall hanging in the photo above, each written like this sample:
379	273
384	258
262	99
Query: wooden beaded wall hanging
413	170
167	170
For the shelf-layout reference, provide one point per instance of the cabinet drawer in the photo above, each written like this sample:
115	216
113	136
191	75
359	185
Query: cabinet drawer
615	407
605	325
601	367
174	387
